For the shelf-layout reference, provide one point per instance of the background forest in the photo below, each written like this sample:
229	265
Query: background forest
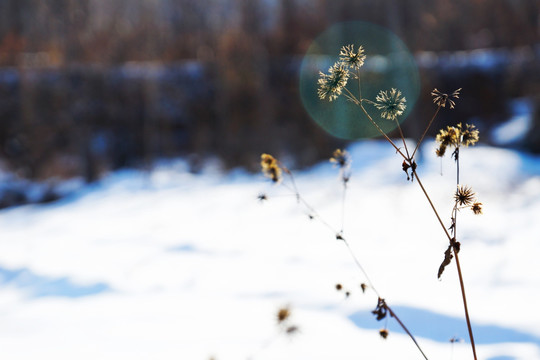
90	86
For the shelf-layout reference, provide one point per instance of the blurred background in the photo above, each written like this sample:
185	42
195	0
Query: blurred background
91	86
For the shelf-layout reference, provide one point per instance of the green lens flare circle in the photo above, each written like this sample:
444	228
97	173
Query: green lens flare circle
389	64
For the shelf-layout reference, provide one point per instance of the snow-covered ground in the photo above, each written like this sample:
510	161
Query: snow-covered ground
170	265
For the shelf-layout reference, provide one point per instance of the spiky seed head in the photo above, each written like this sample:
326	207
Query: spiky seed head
383	333
331	85
440	98
363	287
391	103
464	195
352	59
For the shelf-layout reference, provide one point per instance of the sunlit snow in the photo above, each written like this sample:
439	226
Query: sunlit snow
170	265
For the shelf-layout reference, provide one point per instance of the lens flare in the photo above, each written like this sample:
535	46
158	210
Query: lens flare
388	64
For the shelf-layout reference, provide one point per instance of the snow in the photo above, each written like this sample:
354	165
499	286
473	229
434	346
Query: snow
170	265
517	127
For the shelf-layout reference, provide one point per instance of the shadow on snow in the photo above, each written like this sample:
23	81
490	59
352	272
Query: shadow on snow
41	286
438	327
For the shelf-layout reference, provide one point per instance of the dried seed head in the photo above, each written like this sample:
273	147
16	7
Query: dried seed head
464	195
391	103
448	137
339	287
441	150
469	135
331	85
381	310
351	58
270	167
283	314
363	287
441	98
477	208
383	333
465	135
340	158
262	197
291	330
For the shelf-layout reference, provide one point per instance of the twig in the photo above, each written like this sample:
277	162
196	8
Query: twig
464	297
393	314
382	132
425	131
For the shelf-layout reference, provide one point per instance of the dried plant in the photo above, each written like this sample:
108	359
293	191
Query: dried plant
391	104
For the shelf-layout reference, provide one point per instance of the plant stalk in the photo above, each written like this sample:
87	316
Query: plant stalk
425	131
462	285
393	314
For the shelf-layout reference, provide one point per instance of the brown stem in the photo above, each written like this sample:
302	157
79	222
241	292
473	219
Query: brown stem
461	282
425	131
382	132
432	206
393	314
403	139
339	236
357	262
462	285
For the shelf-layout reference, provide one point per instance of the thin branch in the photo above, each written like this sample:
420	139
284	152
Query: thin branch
382	132
403	139
464	297
343	197
351	97
432	206
458	266
357	262
425	131
393	314
359	85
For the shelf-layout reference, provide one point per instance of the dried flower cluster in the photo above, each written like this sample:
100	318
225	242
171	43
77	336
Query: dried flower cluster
455	136
270	167
351	58
391	103
332	84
